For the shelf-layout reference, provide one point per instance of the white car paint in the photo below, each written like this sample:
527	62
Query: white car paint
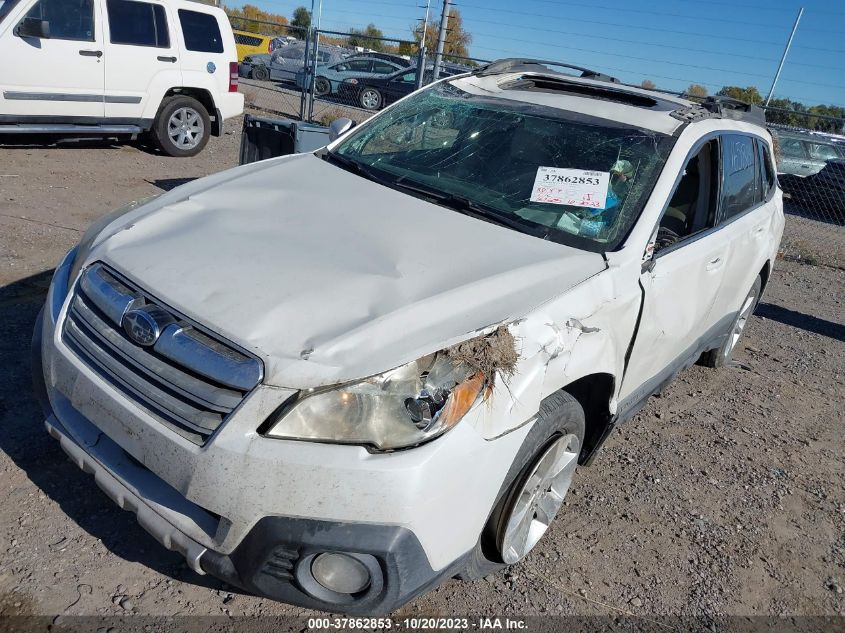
328	278
52	79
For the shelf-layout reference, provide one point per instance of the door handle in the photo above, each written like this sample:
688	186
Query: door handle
714	264
162	58
805	166
91	53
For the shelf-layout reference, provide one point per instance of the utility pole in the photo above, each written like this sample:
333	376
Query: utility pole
441	39
785	52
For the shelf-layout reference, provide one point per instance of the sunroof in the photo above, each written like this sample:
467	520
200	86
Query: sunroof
553	84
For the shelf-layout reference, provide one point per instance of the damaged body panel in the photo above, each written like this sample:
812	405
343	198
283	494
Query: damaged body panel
386	366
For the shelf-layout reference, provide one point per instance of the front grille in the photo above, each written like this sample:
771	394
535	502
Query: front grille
280	564
188	379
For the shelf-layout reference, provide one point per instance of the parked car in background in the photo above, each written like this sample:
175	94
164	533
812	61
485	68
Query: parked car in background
328	78
118	67
253	43
376	92
386	370
822	193
287	61
806	154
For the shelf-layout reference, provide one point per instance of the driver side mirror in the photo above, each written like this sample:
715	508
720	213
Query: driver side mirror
339	127
33	27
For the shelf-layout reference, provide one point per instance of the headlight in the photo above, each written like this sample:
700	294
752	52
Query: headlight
402	407
90	236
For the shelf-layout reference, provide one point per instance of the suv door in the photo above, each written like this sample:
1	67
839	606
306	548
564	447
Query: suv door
141	55
60	78
745	219
681	282
205	56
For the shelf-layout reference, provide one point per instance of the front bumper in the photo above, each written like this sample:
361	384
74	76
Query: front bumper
242	503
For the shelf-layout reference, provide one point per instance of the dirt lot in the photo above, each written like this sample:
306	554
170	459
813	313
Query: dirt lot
725	496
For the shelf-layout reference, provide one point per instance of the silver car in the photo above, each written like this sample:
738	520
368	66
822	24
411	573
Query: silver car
287	61
806	154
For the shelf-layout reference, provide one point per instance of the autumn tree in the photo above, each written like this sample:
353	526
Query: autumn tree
648	84
747	95
697	90
457	39
367	37
251	18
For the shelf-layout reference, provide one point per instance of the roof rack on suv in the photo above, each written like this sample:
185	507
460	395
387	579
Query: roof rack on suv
517	64
730	108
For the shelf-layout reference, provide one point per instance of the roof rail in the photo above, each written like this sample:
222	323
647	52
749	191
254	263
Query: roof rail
730	108
512	64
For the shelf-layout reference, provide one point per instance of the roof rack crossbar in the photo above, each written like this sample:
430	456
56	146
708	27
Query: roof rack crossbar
511	64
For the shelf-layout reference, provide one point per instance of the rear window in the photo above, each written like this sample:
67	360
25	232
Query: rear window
201	32
137	23
247	40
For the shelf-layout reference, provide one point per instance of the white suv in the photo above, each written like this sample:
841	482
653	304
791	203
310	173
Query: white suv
386	372
168	67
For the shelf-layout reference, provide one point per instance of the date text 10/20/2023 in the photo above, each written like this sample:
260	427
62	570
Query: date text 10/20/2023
419	623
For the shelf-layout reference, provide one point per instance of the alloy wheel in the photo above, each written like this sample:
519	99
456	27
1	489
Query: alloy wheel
185	128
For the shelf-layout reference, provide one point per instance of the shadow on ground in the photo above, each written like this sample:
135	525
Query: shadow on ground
802	321
24	440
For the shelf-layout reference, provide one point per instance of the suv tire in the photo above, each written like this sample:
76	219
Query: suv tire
720	357
560	422
182	126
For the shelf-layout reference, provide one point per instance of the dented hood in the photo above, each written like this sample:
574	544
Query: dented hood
330	277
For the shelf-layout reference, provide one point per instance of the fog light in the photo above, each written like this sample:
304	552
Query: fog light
340	573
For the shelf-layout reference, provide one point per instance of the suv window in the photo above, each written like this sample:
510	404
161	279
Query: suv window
767	174
137	23
68	20
739	175
792	148
820	151
692	207
201	32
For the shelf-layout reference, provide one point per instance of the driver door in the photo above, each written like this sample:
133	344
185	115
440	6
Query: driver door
60	76
680	283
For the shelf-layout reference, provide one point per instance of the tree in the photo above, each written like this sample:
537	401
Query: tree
364	37
251	18
648	84
697	90
746	95
457	39
301	18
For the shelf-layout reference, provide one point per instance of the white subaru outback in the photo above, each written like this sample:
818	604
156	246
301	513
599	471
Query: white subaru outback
385	368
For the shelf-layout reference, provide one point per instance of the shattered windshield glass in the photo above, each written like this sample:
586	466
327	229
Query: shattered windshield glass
559	175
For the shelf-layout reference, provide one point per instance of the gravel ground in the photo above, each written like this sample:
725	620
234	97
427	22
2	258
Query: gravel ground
725	495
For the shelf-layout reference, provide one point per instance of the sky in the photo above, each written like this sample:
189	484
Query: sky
671	42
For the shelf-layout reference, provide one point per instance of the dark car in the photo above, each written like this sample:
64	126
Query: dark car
373	93
824	191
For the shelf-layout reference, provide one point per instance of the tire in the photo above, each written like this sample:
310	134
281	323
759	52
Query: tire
720	357
184	139
261	73
560	421
370	99
322	87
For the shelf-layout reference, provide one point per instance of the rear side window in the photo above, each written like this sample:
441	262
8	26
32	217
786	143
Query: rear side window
137	23
383	68
68	20
739	175
767	174
201	32
820	151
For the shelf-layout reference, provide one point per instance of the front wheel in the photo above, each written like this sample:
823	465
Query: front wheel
722	356
370	98
322	87
261	73
534	489
182	127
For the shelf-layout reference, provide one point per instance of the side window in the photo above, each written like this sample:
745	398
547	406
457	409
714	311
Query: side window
821	152
739	175
407	78
792	148
200	31
137	23
360	65
692	207
68	20
767	174
383	68
247	40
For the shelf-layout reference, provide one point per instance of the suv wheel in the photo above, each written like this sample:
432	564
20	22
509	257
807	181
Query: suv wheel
534	489
182	127
722	356
261	73
370	98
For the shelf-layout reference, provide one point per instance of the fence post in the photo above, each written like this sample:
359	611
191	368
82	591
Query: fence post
303	96
421	66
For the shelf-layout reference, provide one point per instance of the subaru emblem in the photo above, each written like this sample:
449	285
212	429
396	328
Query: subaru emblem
141	327
210	67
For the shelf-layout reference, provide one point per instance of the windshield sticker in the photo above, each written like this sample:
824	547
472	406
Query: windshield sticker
572	187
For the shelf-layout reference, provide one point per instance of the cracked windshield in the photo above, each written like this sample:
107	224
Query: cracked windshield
558	175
